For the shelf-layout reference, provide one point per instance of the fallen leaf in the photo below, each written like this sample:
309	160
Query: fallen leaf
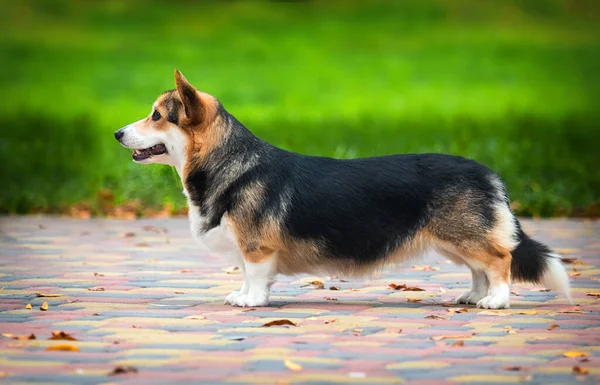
185	271
513	368
439	338
32	337
279	322
98	275
528	312
64	348
514	292
129	235
403	287
232	270
553	326
334	288
95	314
155	229
123	370
594	294
28	306
433	316
7	335
575	353
95	289
48	295
179	292
292	365
457	310
542	290
44	306
142	244
459	343
413	300
62	336
247	310
330	321
319	285
331	299
197	317
580	370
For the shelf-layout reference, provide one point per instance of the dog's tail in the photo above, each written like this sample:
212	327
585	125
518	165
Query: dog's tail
534	262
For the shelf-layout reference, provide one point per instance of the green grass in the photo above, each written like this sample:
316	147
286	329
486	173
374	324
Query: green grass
512	84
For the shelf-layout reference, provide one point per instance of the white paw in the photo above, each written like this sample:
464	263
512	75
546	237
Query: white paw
252	299
494	302
470	297
232	297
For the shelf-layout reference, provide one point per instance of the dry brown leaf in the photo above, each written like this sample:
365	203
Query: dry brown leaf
95	314
542	290
580	370
63	348
62	336
575	353
233	270
95	289
129	235
439	338
433	316
513	368
44	306
179	292
48	295
279	322
123	370
32	337
155	229
330	321
142	244
413	300
185	271
331	299
553	326
292	365
403	287
594	294
528	312
318	285
459	343
457	310
28	306
98	275
514	292
575	309
334	288
197	317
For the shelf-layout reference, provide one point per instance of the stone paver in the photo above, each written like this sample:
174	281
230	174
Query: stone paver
144	294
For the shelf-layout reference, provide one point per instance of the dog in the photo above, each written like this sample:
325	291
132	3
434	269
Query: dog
290	213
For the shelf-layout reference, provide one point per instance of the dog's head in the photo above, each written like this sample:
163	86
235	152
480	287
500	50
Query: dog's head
179	120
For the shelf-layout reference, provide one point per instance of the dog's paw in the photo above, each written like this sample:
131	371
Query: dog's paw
230	300
470	297
251	299
494	302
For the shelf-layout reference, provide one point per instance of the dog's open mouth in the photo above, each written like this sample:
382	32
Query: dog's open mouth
145	153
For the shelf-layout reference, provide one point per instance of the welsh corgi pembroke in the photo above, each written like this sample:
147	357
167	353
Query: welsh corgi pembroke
289	213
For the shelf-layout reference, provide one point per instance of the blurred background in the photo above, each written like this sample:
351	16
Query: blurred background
514	84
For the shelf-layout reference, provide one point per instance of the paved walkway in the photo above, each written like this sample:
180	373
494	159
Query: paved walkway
145	305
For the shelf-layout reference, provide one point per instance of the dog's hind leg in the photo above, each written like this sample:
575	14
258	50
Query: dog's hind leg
479	282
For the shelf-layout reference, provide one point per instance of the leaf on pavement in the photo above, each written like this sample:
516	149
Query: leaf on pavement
28	306
279	322
439	338
459	343
594	294
62	336
44	306
63	348
553	326
575	353
580	370
48	295
528	312
123	370
292	365
433	316
95	289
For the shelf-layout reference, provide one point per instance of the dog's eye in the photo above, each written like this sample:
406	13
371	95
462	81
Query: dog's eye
155	115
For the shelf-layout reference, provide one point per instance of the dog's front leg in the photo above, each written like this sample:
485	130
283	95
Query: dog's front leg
259	276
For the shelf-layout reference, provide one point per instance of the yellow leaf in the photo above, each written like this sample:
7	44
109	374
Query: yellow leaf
44	306
292	365
594	294
7	335
28	306
498	313
580	370
574	353
528	312
553	326
64	348
48	295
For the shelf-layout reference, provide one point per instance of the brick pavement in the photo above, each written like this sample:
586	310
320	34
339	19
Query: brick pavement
143	294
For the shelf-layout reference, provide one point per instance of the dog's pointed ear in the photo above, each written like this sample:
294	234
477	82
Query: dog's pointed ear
189	97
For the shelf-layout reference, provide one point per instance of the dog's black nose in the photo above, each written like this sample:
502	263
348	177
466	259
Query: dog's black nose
119	134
